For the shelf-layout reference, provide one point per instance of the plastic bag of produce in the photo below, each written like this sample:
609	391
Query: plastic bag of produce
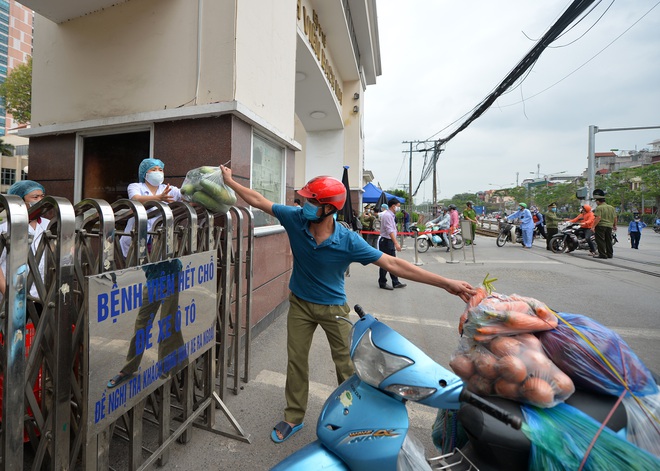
571	347
598	359
490	315
561	437
513	367
205	186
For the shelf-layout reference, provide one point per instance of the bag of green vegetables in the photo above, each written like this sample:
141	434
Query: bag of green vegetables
205	186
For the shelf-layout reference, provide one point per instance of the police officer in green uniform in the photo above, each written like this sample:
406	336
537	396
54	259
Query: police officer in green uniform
605	224
471	215
551	223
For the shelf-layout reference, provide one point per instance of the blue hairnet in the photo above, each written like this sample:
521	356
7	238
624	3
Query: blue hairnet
24	187
146	164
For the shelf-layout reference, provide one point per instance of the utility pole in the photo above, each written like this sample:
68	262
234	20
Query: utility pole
410	178
424	149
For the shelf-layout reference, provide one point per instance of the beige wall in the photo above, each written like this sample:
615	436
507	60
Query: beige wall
113	63
266	59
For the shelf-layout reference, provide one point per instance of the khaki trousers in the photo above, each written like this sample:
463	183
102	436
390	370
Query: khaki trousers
303	318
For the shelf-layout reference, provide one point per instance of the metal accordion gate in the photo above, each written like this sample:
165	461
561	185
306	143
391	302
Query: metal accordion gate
69	287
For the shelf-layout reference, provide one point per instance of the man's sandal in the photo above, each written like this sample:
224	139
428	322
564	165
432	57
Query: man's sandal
118	379
285	430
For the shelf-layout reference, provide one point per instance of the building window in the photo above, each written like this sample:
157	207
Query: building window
267	176
8	176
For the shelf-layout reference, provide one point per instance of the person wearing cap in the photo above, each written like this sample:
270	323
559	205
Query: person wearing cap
32	193
322	250
150	187
388	243
551	223
367	220
526	224
605	224
471	215
635	230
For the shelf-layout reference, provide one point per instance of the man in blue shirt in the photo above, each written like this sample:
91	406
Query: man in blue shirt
526	224
322	250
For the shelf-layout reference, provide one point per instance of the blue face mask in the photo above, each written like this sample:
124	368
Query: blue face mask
310	211
554	210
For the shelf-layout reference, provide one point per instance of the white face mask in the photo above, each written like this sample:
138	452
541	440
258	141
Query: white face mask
155	178
397	209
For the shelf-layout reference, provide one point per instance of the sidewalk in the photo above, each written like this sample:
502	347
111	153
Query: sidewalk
623	300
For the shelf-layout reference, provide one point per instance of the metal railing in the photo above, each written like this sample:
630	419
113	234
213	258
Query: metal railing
51	252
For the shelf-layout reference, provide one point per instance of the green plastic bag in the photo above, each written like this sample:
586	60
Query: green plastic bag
561	435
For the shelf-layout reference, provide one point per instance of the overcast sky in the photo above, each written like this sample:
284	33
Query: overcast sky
440	58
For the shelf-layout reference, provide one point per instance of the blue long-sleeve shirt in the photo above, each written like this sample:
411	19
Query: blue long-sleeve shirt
636	226
526	221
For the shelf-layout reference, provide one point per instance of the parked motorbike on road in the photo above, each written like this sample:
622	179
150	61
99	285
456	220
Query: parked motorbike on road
424	241
572	238
507	234
364	424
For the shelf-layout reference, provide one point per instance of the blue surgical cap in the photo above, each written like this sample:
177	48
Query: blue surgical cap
146	164
24	187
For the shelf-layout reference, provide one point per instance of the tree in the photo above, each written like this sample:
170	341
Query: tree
16	92
6	149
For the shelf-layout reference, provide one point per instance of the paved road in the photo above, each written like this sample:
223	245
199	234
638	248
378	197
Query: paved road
622	293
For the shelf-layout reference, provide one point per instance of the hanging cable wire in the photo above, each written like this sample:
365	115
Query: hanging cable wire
565	20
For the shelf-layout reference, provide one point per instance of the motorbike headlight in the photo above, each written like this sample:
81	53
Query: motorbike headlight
373	365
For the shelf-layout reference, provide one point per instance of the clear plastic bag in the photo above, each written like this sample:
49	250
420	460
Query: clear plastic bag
561	436
513	367
643	429
490	315
206	186
412	457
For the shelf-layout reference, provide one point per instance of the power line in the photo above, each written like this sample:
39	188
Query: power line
565	20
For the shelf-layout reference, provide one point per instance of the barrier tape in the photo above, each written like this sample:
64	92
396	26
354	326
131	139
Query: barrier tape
441	231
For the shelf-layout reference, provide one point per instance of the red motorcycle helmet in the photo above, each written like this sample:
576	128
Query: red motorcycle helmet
325	190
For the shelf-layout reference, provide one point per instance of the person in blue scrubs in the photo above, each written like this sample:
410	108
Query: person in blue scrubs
322	251
526	224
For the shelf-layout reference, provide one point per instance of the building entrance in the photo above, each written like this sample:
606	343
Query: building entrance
110	163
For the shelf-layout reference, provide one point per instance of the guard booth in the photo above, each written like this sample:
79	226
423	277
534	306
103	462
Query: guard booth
171	312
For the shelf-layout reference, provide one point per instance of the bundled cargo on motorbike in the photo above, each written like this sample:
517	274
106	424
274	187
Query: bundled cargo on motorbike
599	360
512	367
205	186
498	354
490	315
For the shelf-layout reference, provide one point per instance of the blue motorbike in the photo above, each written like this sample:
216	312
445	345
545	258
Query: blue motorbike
364	423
